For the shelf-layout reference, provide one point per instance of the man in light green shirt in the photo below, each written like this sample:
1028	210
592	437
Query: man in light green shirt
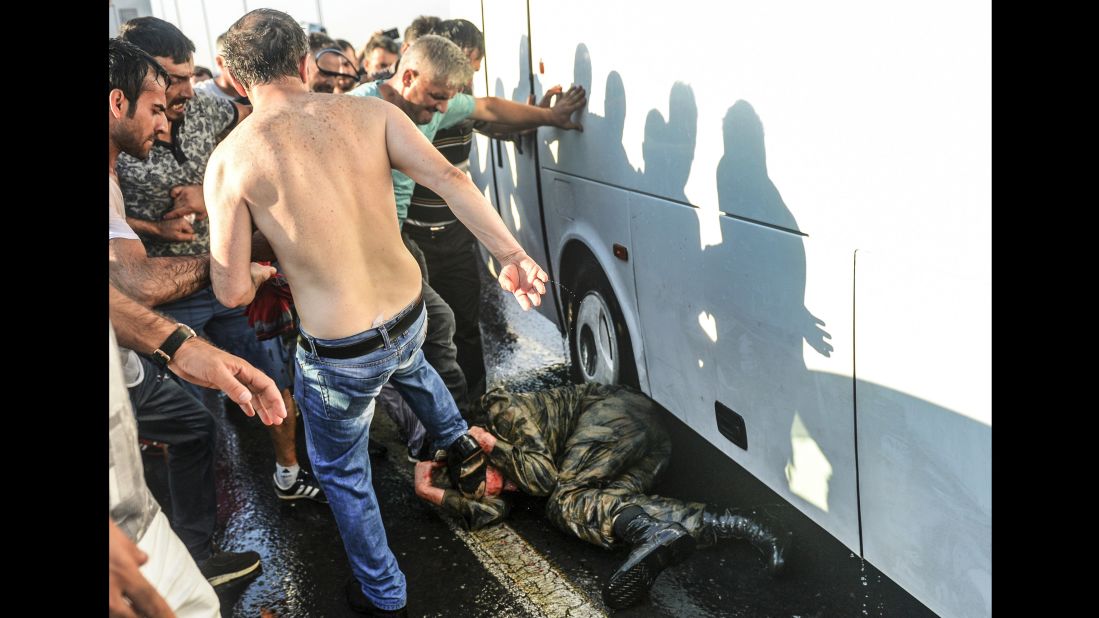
426	88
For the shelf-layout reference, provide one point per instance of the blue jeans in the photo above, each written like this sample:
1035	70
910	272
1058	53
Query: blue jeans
336	399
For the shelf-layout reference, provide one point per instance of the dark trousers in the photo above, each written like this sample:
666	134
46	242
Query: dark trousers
439	347
452	265
167	413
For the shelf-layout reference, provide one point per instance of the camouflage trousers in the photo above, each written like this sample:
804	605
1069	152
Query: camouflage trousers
610	461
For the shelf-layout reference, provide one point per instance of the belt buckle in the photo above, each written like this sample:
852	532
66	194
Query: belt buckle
436	228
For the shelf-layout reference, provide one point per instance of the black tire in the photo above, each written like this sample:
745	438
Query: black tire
583	344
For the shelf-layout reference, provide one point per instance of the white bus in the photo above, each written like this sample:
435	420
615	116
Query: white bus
777	223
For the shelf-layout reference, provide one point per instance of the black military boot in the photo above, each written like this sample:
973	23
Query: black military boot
656	545
466	463
752	525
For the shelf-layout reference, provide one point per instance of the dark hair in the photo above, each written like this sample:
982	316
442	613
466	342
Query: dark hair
344	44
128	68
464	34
263	46
424	24
158	38
380	40
204	71
319	41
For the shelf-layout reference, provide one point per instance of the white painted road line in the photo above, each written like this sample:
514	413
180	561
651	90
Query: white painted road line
533	582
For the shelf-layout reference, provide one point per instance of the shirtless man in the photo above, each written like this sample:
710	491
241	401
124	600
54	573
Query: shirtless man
312	173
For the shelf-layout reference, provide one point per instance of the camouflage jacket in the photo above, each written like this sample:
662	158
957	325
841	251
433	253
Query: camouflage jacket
531	431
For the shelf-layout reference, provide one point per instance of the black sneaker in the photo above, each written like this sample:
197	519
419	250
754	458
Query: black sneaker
305	486
362	605
226	566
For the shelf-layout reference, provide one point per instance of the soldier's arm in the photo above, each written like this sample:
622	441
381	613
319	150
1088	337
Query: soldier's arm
475	514
530	465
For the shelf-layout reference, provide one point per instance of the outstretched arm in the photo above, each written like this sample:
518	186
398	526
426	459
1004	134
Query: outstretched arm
522	116
143	330
411	153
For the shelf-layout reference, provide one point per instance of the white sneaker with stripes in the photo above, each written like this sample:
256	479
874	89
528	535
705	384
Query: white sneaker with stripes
304	487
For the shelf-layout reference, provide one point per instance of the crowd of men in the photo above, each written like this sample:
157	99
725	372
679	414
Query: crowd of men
334	268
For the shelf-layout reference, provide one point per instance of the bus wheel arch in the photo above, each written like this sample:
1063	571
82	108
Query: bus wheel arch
600	347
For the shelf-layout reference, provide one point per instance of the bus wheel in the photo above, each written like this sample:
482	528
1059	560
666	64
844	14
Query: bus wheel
599	343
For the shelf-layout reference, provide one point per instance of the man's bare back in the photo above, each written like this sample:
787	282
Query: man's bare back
314	173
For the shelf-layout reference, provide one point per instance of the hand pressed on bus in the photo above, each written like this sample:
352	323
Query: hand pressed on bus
524	278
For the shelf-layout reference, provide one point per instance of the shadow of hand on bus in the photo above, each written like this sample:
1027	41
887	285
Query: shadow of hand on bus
573	153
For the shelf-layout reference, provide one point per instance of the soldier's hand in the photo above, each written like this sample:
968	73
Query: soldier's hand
484	438
424	489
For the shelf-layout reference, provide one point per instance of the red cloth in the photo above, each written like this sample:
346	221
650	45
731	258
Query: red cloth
270	311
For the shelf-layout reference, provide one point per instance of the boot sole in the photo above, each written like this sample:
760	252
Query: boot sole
627	588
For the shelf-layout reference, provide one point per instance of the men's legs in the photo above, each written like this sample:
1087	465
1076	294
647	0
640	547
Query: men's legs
409	427
453	265
439	348
398	407
582	504
166	413
229	329
611	460
429	400
174	573
336	399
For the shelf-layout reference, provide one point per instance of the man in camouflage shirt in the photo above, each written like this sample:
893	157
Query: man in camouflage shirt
594	450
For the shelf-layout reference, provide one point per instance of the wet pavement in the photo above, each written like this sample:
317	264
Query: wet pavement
524	567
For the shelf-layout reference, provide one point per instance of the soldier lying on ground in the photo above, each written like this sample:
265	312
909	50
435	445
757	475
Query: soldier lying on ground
595	451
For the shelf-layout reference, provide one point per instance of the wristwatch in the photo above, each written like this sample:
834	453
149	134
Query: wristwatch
163	355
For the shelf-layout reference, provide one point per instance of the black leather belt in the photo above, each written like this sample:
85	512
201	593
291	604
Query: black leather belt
366	346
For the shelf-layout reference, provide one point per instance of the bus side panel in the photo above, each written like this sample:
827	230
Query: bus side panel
731	324
929	431
508	67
